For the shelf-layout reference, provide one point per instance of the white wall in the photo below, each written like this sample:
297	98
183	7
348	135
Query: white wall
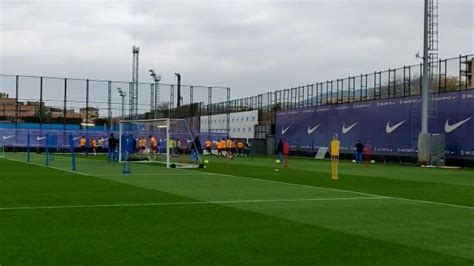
242	124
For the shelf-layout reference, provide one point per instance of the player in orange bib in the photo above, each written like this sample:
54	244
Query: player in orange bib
153	146
208	146
82	144
221	147
240	148
142	145
94	146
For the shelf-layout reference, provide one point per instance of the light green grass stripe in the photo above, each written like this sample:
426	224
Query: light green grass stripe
343	190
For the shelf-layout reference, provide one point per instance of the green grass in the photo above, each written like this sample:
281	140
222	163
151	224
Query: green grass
238	213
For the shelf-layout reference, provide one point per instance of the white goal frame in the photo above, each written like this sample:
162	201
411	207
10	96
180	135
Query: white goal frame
166	125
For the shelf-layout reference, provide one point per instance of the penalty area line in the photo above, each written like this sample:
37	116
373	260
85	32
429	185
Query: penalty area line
183	203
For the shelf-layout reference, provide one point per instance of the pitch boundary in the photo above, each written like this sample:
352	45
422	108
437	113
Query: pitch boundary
183	203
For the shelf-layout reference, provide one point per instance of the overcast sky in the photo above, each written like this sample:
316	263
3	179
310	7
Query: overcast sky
250	46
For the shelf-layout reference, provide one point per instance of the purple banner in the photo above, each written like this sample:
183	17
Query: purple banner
58	138
391	127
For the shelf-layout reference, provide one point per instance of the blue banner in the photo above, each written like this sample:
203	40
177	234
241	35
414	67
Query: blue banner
391	126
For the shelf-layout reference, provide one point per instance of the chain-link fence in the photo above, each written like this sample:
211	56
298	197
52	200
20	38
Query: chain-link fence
87	104
451	75
37	102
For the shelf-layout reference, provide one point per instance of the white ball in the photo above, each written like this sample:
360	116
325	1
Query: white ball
276	170
353	161
372	161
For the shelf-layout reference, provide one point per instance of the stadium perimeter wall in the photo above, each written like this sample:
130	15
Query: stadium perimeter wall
389	126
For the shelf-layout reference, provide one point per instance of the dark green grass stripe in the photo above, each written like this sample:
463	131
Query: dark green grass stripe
210	234
23	184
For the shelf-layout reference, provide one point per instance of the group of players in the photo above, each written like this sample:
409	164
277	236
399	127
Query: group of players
152	146
94	144
231	147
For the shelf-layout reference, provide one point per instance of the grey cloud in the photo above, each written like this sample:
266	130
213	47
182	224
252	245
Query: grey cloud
250	46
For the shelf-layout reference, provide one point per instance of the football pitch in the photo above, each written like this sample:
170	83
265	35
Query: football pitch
241	212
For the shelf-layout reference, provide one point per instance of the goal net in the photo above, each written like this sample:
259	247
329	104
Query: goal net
167	141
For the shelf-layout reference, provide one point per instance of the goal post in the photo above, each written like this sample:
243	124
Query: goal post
167	141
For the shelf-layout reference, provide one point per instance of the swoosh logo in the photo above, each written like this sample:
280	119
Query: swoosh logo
40	138
7	137
345	129
283	130
450	128
389	129
102	139
76	138
311	130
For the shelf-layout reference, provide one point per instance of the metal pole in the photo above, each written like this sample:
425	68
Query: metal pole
41	105
17	84
65	105
152	97
167	143
209	111
130	100
228	112
87	104
424	87
178	76
109	105
123	106
157	91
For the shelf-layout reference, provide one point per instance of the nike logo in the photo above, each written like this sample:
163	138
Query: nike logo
450	128
40	138
283	130
76	138
311	130
389	129
345	129
7	137
102	139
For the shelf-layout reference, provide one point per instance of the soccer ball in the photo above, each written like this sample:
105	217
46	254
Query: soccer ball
277	161
353	161
372	161
276	170
206	161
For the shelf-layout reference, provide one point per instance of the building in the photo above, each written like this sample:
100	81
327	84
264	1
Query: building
8	109
89	113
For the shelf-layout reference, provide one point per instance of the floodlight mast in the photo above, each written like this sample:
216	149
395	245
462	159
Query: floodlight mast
122	95
430	56
425	81
156	99
133	93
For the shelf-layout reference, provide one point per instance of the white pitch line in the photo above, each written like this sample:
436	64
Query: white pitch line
107	174
52	167
147	174
350	191
182	203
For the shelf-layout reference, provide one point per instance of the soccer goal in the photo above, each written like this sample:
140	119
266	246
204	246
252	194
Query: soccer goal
167	141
